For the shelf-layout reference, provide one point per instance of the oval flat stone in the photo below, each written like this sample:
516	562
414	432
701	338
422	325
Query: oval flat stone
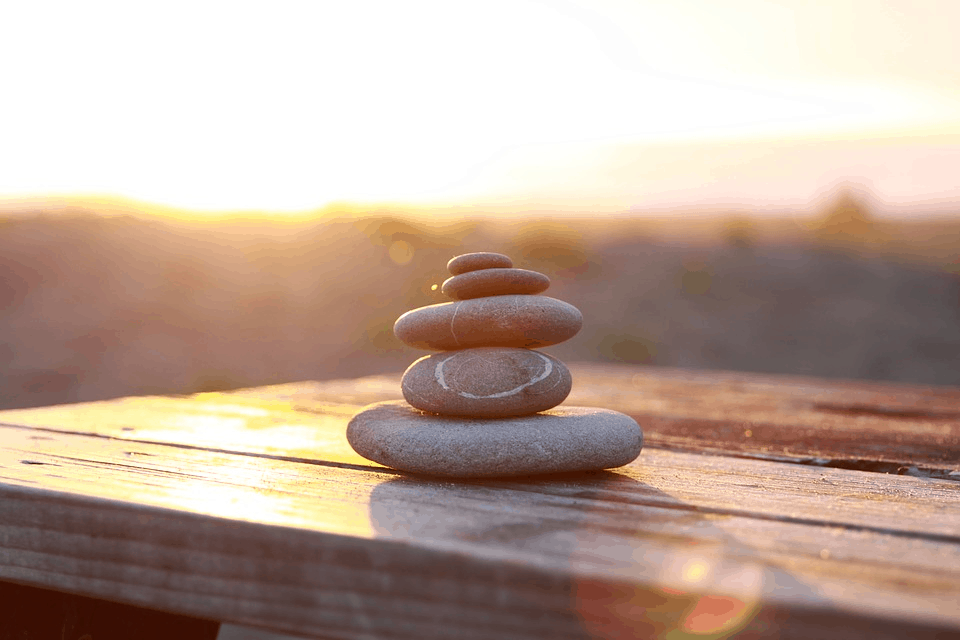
496	321
560	440
489	382
494	282
480	260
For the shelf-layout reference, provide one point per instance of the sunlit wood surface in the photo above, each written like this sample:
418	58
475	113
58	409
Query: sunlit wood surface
761	506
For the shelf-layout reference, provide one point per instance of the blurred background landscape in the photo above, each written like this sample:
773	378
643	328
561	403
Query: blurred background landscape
211	195
95	306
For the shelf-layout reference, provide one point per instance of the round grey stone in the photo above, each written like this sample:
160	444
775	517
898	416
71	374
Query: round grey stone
494	282
495	321
488	382
480	260
560	440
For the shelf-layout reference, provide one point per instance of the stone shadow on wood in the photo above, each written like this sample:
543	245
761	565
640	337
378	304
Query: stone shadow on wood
618	574
596	550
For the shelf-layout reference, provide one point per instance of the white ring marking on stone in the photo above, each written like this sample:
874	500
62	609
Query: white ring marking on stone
456	310
547	370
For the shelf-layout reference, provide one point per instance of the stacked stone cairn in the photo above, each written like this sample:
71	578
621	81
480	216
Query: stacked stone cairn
486	404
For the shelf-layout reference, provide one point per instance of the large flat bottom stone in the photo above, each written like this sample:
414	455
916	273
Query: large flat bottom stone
559	440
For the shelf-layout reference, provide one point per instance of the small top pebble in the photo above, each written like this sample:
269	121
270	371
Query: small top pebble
481	260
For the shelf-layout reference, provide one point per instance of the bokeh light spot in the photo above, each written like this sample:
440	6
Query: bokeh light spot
401	252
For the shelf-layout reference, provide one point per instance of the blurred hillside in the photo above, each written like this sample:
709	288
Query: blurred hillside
96	306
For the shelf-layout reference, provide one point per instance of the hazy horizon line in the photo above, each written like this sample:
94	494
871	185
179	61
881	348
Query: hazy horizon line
504	208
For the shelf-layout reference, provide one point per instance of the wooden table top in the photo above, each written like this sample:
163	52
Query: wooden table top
761	506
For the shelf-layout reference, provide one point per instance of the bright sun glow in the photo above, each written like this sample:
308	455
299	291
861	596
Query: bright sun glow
293	105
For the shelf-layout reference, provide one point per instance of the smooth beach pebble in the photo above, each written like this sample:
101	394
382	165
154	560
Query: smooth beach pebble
492	382
480	260
560	440
496	321
494	282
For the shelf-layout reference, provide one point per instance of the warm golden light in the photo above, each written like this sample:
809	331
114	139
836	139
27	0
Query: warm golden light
401	252
611	104
200	478
695	571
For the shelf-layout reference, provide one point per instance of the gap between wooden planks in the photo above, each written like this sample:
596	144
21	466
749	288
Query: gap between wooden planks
766	533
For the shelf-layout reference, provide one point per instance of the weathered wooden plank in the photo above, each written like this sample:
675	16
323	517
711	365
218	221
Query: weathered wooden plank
833	420
237	632
863	425
230	422
857	424
281	427
302	546
863	543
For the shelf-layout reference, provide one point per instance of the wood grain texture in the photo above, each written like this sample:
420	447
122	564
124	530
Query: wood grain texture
249	507
300	427
887	427
196	531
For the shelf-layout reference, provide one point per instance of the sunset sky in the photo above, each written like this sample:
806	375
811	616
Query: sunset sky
584	104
